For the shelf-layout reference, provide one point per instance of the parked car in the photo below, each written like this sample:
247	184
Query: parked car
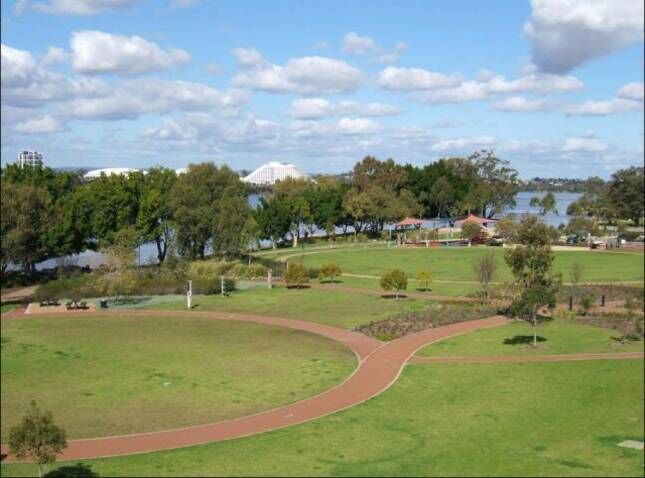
496	241
596	243
572	239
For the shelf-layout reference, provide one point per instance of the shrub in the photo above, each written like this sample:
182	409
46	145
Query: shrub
213	286
360	237
256	271
395	280
330	271
296	275
586	303
470	230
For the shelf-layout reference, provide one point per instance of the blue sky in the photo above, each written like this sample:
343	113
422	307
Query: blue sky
555	87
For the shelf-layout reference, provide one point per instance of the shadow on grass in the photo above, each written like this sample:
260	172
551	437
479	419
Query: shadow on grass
522	340
393	296
302	286
79	470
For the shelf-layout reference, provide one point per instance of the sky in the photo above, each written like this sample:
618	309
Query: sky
553	86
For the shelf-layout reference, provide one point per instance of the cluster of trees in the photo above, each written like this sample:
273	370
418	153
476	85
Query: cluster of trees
620	198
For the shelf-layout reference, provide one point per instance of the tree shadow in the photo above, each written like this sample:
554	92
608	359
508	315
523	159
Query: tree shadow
523	340
80	470
301	286
423	289
393	296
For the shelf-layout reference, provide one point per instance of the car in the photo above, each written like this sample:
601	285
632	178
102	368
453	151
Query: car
572	239
496	241
596	243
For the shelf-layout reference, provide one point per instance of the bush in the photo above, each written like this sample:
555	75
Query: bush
330	271
213	286
256	271
470	230
586	303
361	237
296	275
395	280
424	278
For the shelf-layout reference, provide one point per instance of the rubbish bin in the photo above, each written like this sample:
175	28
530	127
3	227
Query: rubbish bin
103	303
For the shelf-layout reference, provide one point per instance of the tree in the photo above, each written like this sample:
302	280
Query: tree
37	437
424	278
626	193
530	262
545	204
485	268
154	218
293	193
395	280
575	276
273	219
471	230
250	235
196	199
233	213
507	228
25	222
330	271
296	275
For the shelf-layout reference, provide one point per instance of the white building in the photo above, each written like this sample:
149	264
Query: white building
95	174
274	171
30	158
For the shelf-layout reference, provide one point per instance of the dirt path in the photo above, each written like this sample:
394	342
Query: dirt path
379	367
19	293
529	358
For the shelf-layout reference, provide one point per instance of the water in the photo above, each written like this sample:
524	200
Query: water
562	201
147	253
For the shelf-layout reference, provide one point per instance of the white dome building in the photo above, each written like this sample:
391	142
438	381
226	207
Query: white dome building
269	173
96	173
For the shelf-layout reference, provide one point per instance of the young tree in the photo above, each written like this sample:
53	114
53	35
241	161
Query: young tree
296	275
424	278
395	280
530	262
471	230
330	271
37	437
485	268
575	276
250	235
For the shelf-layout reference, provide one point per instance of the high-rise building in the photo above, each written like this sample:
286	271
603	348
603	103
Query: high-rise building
30	159
274	171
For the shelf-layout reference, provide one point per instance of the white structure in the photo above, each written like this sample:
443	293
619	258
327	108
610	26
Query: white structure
181	171
95	174
30	158
271	172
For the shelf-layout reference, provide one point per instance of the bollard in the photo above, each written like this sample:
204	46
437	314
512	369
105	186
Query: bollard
570	302
221	285
269	277
189	294
602	300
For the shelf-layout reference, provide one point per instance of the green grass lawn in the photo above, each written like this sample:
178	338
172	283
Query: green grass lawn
455	264
116	375
4	308
335	308
535	419
561	337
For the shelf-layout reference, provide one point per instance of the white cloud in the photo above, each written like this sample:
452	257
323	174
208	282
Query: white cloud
567	33
632	91
489	85
311	108
99	52
75	7
414	79
357	126
248	57
43	125
393	55
628	98
307	76
520	104
134	98
460	144
355	44
55	56
583	144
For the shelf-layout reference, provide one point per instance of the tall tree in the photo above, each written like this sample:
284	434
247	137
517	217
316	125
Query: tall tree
154	218
233	212
626	194
195	201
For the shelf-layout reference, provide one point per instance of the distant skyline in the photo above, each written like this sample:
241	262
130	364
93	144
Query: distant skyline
554	86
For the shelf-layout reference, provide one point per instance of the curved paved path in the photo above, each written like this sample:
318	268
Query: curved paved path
379	366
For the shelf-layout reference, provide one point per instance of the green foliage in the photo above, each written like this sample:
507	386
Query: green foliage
228	237
626	193
37	437
530	262
471	230
545	204
329	271
395	280
485	268
296	275
586	303
424	278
